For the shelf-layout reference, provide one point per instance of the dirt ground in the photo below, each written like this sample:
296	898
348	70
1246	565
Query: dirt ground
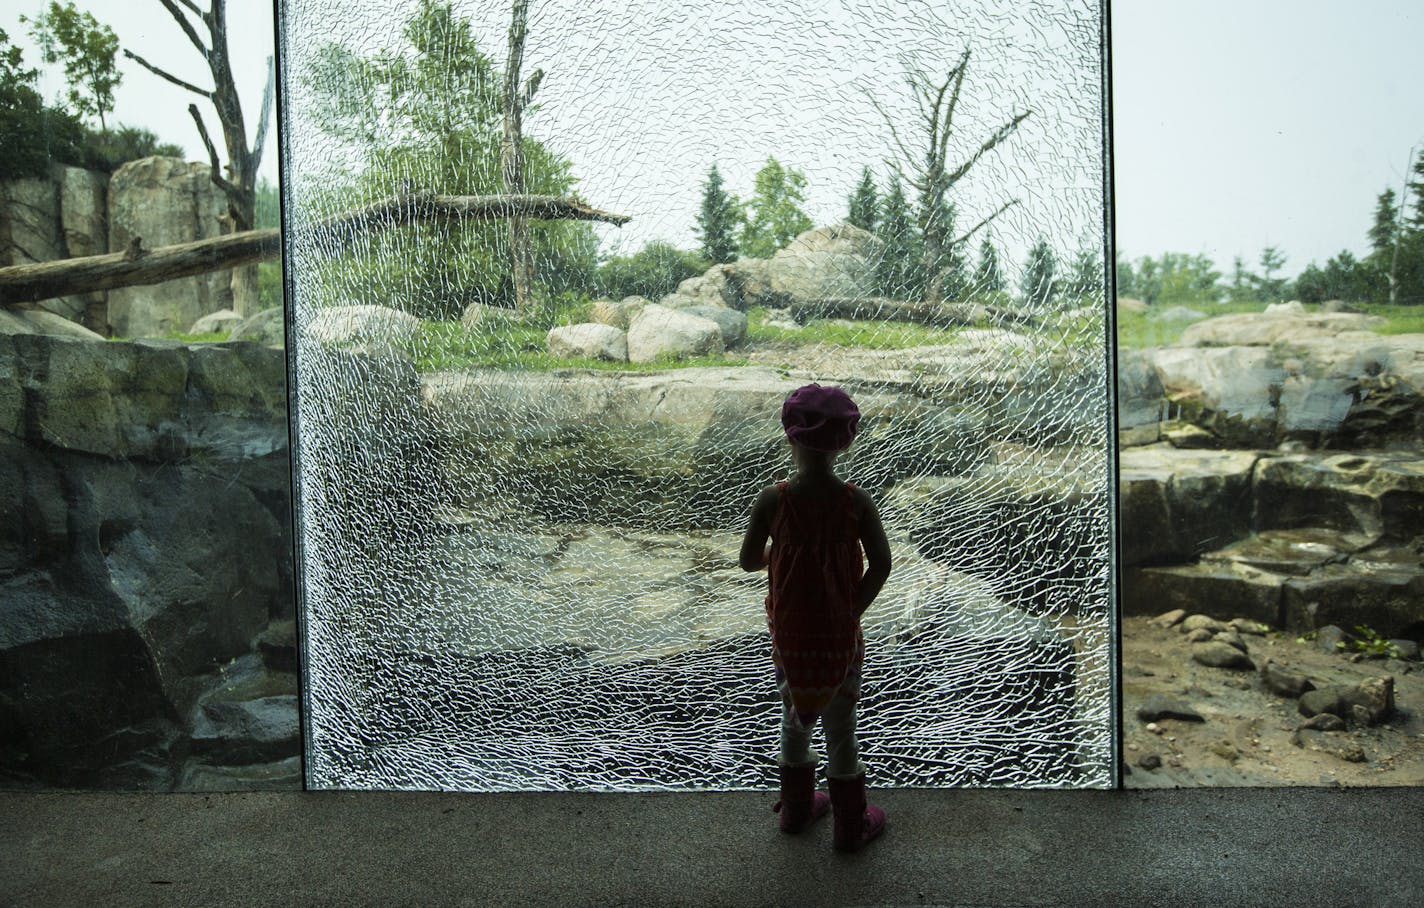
1247	736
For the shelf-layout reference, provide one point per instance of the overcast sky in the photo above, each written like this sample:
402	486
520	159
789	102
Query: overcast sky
1237	124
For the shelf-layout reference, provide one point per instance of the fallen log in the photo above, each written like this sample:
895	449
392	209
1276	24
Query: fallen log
876	308
137	266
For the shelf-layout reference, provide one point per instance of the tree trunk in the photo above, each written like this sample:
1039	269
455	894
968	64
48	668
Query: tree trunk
512	159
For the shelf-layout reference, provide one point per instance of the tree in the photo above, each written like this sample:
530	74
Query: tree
932	176
718	220
87	48
425	114
32	134
1039	284
1087	274
775	211
652	272
516	100
899	272
239	184
1268	288
863	202
1243	282
988	276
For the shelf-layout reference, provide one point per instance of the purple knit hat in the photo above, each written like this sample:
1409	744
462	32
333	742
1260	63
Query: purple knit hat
821	419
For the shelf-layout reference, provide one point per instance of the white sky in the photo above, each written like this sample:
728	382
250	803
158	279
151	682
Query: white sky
1237	124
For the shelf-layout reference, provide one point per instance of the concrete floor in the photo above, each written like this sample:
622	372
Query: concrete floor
1217	847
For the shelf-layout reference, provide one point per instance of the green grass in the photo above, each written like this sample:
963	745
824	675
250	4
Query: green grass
1402	319
1139	329
863	334
449	346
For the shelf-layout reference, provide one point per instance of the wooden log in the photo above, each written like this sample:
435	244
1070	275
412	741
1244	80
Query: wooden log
134	266
875	308
137	266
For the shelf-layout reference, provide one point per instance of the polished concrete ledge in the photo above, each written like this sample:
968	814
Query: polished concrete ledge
1217	847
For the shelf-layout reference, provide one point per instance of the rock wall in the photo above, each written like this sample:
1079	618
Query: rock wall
75	212
145	566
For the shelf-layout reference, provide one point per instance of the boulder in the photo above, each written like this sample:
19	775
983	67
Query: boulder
1230	391
1290	552
221	322
1283	682
732	323
1160	706
479	317
376	328
1180	504
1225	590
84	225
1219	654
707	289
620	314
1389	601
1263	330
268	327
1369	495
30	228
42	321
661	332
162	201
1367	703
1178	314
594	341
829	262
1128	304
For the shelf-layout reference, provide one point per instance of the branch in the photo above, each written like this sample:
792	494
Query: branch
977	227
1003	133
347	226
531	85
161	74
894	133
259	143
212	152
184	24
192	6
958	76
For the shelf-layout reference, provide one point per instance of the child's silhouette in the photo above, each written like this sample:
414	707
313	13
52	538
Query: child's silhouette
818	525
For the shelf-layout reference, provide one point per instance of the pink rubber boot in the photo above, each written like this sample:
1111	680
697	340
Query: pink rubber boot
800	804
856	822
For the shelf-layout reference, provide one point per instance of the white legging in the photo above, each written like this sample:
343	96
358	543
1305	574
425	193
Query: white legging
842	749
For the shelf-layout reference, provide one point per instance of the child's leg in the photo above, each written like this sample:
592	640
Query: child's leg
842	748
795	734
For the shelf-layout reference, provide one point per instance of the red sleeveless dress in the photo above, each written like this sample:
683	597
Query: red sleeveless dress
816	565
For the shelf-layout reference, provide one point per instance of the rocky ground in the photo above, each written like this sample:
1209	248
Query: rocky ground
1246	733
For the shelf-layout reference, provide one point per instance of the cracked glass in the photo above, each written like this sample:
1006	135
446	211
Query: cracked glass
535	400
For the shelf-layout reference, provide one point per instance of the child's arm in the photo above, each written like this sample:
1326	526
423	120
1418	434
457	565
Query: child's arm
877	554
754	550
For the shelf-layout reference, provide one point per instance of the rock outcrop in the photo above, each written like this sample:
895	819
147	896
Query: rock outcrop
162	201
131	476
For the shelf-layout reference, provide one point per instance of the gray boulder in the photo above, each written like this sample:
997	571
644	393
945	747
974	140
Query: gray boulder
1180	504
828	262
267	326
367	327
222	321
589	340
732	323
618	314
708	289
658	331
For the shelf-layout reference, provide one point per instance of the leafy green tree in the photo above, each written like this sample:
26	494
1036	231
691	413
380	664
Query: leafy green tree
1086	278
988	275
652	272
425	115
32	134
775	215
1125	276
718	220
1342	278
88	49
1039	284
864	206
900	273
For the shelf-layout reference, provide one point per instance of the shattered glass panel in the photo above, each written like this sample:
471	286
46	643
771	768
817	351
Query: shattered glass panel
529	437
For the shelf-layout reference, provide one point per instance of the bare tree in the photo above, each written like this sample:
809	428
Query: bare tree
930	173
516	99
238	180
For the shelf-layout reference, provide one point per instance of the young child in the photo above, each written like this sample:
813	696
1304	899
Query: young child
818	525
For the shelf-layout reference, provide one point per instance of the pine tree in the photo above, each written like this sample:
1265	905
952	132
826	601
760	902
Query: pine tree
1385	228
1087	280
863	202
718	220
1039	285
988	277
898	274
